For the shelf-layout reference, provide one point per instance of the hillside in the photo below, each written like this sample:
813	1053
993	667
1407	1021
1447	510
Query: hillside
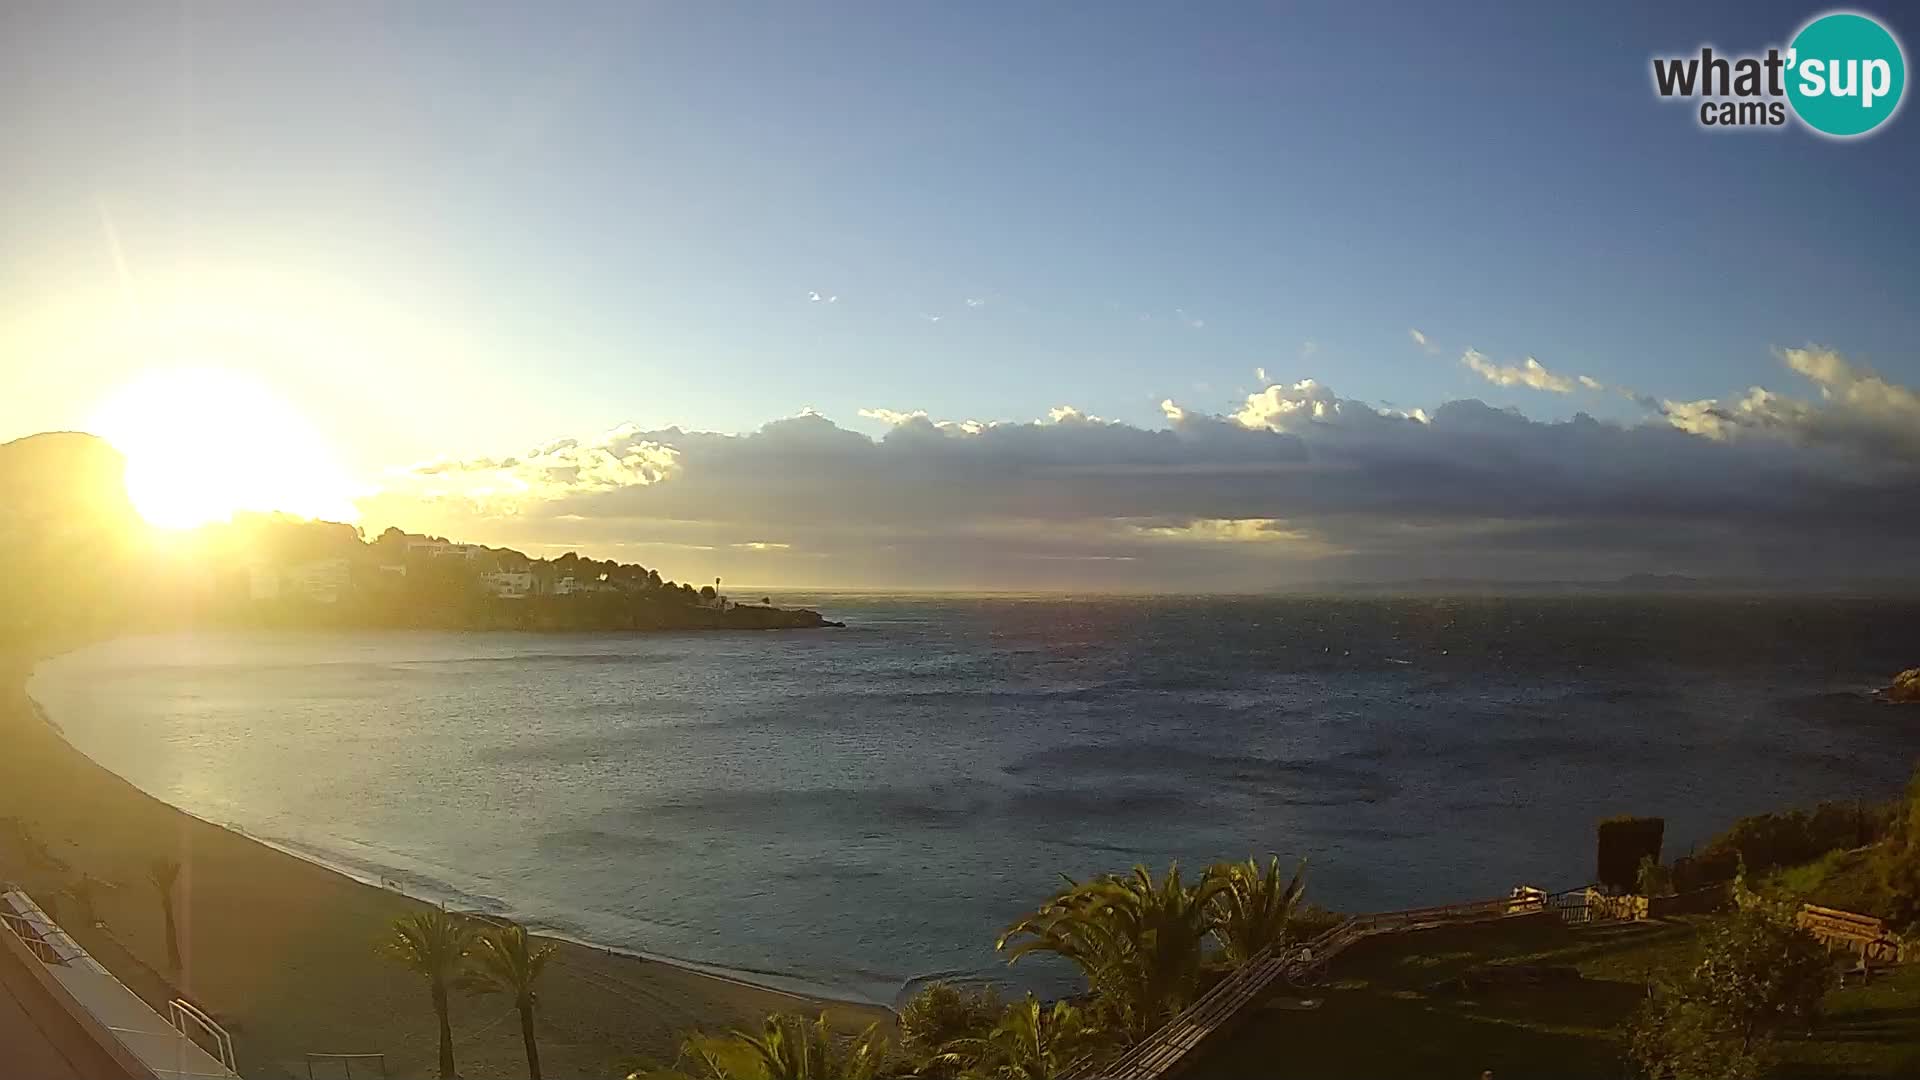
81	561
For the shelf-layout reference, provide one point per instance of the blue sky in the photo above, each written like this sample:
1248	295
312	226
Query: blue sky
617	212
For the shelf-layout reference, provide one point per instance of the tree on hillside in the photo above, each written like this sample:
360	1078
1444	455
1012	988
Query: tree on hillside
1254	909
165	873
501	962
433	945
1758	974
1898	861
1138	941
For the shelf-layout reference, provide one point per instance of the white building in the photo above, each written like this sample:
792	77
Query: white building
442	548
508	584
324	581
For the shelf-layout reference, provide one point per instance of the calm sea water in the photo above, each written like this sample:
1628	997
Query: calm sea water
858	809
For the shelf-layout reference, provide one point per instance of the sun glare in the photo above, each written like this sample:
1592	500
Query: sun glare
202	444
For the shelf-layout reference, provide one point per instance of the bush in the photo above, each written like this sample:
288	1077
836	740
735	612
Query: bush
1761	971
1758	975
1624	841
1653	879
1311	920
941	1013
1770	841
1897	862
1672	1038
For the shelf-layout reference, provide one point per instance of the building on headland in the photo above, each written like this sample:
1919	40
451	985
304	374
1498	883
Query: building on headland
322	581
508	584
434	547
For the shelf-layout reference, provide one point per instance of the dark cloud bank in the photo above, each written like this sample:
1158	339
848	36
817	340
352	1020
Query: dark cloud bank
1298	486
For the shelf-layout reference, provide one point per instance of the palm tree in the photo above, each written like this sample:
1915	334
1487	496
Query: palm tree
1137	941
1253	911
501	963
432	944
1031	1041
787	1048
164	872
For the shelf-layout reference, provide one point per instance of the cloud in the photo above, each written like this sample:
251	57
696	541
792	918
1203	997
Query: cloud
1420	339
1857	410
619	459
1592	383
931	318
1189	321
1289	485
816	298
1530	373
974	302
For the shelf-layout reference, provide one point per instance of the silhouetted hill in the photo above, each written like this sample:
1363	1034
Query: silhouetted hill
81	561
65	524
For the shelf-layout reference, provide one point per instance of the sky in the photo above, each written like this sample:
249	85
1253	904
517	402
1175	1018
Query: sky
1214	297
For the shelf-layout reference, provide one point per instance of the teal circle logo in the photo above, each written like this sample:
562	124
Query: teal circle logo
1845	74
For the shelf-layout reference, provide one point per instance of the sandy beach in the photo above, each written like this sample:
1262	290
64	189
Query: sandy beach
283	952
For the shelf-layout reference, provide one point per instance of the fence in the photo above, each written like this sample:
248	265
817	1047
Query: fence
29	936
1167	1048
368	1063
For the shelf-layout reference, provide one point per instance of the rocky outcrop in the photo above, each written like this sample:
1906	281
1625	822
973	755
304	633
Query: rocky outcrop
1905	688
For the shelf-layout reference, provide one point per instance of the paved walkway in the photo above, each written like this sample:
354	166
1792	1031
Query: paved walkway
39	1038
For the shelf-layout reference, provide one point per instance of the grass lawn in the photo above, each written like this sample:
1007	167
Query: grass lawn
1395	1008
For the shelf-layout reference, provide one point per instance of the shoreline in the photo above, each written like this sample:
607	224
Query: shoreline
453	898
280	946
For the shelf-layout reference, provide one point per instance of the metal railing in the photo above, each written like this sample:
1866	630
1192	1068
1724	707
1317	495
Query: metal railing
1166	1048
180	1012
29	935
346	1061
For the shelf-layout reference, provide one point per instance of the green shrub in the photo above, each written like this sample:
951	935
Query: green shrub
1767	842
1653	879
1672	1038
1758	975
942	1013
1311	920
1623	842
1897	862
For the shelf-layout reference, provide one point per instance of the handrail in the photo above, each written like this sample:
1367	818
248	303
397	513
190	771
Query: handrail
179	1010
29	936
347	1061
1163	1049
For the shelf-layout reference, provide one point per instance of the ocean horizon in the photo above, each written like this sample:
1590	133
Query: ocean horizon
853	812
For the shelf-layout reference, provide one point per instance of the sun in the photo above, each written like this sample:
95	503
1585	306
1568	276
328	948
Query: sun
204	443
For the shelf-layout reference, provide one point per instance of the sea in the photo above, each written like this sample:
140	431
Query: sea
857	811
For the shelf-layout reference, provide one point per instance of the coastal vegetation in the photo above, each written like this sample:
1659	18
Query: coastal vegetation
82	566
434	946
503	961
165	875
1744	992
